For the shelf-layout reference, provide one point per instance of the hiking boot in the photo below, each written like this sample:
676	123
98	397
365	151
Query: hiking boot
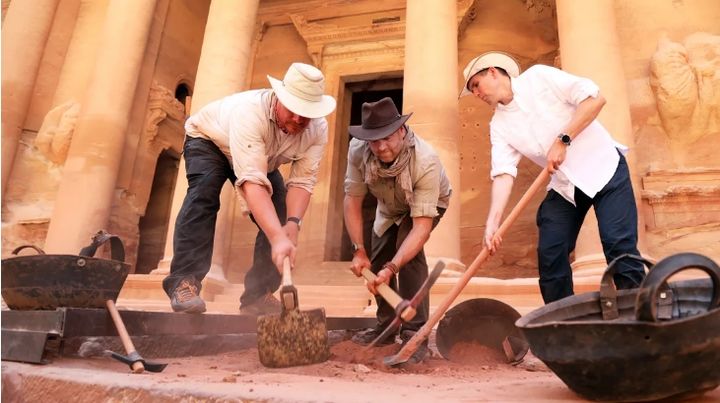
367	336
265	305
422	350
185	298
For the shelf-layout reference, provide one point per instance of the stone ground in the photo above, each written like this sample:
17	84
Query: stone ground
350	375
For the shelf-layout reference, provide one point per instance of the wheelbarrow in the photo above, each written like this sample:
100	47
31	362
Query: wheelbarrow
661	340
49	282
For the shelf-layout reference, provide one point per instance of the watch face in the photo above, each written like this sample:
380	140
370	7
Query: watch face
565	139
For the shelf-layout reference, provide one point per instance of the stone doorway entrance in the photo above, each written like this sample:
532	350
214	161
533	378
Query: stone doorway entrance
153	225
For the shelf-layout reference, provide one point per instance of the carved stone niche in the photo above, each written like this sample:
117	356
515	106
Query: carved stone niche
381	36
683	198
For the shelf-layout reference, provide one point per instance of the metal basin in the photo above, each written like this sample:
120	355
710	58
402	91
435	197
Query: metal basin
48	282
658	341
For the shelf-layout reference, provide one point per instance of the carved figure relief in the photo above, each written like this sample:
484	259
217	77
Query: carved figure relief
53	138
685	79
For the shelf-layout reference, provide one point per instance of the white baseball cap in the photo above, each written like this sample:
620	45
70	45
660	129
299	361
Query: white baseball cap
485	61
302	91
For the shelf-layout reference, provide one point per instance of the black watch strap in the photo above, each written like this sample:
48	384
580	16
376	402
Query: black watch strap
296	220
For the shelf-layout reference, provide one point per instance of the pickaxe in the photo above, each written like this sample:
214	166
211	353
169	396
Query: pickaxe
410	305
133	359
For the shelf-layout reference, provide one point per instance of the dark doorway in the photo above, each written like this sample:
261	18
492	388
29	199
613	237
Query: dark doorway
367	92
154	224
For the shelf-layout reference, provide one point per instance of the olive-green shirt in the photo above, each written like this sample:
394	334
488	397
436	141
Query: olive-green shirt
431	187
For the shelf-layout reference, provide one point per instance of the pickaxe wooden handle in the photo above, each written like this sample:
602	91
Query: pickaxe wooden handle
412	345
137	366
402	306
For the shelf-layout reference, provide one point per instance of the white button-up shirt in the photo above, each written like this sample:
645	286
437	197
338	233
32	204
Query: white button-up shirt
544	101
243	127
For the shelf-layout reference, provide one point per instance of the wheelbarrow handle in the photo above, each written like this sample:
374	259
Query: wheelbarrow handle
645	305
412	345
402	306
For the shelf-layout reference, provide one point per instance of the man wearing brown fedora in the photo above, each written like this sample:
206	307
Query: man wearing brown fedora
550	117
404	173
244	138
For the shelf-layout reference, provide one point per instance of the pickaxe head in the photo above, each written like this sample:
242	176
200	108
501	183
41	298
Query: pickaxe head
134	357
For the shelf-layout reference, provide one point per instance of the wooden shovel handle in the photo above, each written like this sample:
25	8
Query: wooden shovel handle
390	296
137	367
412	345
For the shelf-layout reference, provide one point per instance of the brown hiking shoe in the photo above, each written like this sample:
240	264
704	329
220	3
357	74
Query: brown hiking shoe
267	304
185	298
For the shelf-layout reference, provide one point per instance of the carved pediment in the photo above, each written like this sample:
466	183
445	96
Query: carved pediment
380	36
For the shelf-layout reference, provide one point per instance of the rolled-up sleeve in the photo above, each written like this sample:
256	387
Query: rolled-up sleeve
505	158
304	170
426	191
354	180
247	148
570	88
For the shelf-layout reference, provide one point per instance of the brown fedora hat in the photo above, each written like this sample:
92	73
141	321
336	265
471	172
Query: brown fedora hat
379	120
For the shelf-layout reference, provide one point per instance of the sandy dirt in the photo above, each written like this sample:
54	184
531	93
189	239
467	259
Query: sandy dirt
352	374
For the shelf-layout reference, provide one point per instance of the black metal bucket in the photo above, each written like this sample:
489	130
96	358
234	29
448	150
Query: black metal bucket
48	282
481	321
658	341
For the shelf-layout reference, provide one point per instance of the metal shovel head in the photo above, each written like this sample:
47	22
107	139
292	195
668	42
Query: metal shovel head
483	321
293	338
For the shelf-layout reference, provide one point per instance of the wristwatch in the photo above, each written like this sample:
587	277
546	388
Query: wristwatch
565	138
296	220
357	247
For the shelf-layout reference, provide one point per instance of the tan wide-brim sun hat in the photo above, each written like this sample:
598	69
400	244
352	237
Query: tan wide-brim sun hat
485	61
302	91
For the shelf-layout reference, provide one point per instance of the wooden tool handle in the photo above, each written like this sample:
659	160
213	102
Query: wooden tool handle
412	345
287	272
390	296
137	367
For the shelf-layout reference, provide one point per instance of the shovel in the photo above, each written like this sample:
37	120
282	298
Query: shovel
292	337
414	343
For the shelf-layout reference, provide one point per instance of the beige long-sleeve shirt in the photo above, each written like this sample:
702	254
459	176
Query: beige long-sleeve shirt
243	127
431	186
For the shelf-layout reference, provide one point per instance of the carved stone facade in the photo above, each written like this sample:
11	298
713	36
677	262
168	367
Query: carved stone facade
669	53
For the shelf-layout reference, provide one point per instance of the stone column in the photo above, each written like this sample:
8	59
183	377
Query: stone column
430	92
87	188
24	35
589	47
222	70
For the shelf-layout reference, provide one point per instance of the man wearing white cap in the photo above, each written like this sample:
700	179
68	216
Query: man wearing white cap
244	138
549	116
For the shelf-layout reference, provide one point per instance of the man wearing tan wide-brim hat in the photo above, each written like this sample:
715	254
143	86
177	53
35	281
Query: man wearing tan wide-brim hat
244	138
549	116
404	173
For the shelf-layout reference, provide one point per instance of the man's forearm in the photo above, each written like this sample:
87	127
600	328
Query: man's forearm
297	201
414	242
587	111
352	207
262	209
500	194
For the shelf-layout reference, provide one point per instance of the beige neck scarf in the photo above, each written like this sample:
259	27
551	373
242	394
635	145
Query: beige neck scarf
399	169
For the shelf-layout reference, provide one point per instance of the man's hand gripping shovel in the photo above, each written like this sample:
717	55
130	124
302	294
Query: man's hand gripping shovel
414	343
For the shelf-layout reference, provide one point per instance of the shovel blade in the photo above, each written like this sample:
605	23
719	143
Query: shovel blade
293	338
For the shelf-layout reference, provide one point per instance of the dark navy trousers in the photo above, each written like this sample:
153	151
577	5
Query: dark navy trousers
559	223
207	170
